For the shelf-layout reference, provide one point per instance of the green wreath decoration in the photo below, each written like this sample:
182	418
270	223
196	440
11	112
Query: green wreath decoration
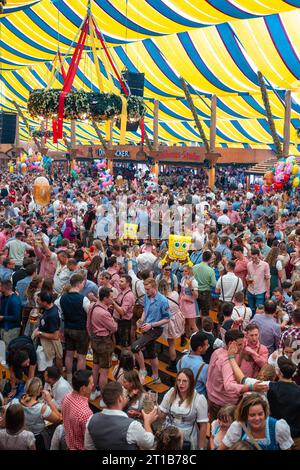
82	105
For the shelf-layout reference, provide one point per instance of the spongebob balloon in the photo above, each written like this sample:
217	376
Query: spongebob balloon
178	250
130	232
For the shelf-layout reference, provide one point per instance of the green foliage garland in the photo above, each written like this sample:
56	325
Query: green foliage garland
194	112
84	105
271	122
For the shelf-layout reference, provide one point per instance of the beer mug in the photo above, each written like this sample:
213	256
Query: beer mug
149	402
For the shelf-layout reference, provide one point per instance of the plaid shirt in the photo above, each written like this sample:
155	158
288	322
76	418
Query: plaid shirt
76	412
292	331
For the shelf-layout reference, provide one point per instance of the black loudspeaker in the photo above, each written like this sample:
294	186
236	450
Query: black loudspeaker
8	123
135	82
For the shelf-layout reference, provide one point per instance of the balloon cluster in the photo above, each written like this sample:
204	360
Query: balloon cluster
33	162
106	180
285	174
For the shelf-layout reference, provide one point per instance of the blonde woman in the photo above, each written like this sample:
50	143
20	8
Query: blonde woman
37	411
188	300
31	294
175	328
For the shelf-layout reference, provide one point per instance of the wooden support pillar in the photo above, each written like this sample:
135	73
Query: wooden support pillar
247	181
155	125
213	123
73	134
287	123
211	173
110	140
155	169
110	166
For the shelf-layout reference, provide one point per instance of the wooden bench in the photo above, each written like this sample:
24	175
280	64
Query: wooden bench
161	340
162	366
159	388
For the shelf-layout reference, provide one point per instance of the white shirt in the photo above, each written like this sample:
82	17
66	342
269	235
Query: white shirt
17	250
57	205
136	434
146	261
222	204
223	220
242	312
59	390
137	287
81	205
282	434
61	277
231	284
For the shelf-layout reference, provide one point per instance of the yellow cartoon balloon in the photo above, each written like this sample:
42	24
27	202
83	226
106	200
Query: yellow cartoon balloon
179	246
130	231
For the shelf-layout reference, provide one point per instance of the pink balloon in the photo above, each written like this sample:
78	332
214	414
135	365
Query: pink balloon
288	168
279	167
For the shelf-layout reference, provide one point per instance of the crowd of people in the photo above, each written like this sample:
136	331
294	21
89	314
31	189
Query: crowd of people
77	296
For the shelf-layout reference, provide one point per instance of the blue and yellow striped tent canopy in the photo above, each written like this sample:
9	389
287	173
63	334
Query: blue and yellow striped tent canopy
217	46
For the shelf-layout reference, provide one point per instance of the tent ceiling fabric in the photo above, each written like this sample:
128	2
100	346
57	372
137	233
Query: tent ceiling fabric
216	45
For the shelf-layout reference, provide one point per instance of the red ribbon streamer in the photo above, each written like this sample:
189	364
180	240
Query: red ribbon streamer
54	129
70	77
110	59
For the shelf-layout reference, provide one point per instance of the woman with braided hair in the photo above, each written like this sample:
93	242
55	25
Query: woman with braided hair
169	438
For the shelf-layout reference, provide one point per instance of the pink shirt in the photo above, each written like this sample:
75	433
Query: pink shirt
234	217
222	388
251	364
241	269
115	278
3	240
99	320
259	273
47	265
76	412
126	300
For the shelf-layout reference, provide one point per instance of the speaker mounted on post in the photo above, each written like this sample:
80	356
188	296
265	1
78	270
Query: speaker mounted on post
8	124
135	82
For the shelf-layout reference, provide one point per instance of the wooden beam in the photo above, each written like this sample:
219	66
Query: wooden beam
25	120
213	123
211	173
287	123
100	136
110	136
73	134
155	125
